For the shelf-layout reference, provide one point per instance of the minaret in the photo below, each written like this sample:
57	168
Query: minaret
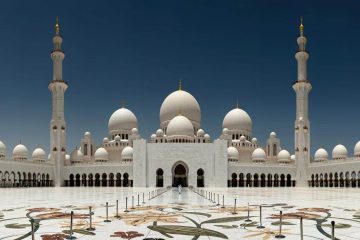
302	88
57	124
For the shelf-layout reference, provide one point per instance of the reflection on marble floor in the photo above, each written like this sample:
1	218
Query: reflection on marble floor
179	216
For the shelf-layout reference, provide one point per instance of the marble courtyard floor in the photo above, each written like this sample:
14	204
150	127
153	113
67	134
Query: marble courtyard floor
185	216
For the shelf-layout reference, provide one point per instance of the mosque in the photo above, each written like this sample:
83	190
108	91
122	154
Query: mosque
180	151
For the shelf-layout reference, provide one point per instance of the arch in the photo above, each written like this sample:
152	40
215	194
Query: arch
262	180
288	180
282	180
126	180
336	179
326	183
159	177
90	180
77	180
97	180
353	179
83	180
347	179
241	180
321	180
276	180
358	179
248	180
118	179
312	180
200	178
234	180
104	180
269	180
316	180
331	184
71	178
111	180
256	180
341	179
180	172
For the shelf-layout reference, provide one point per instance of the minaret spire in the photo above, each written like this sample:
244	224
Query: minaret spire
57	86
180	84
302	88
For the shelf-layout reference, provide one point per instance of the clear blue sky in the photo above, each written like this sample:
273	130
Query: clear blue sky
137	50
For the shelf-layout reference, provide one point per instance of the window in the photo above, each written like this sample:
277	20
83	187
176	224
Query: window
85	149
274	150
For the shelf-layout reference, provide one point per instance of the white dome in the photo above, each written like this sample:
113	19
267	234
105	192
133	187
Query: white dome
127	153
339	152
254	140
2	147
105	140
39	154
122	119
273	134
242	138
200	133
153	136
117	138
292	157
20	151
207	136
87	134
159	133
225	131
321	155
134	131
283	156
258	155
76	155
101	154
67	157
357	149
238	120
182	102
180	126
232	153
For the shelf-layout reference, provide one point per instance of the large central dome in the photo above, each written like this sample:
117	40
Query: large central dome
181	102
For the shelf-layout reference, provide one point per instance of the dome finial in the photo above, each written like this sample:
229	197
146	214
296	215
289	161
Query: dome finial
301	27
180	84
57	26
122	103
237	103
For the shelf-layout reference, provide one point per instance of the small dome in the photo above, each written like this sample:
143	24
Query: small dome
207	136
49	157
127	153
254	140
159	133
105	140
20	152
153	136
39	154
225	131
67	157
321	155
117	138
180	101
232	153
101	155
200	133
76	156
339	152
357	149
292	157
134	131
87	134
180	126
283	156
258	155
238	120
122	119
243	138
273	134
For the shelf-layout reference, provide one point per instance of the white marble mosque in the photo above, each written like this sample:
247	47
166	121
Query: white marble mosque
180	151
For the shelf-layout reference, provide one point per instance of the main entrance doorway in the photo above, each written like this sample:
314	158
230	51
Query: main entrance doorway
180	175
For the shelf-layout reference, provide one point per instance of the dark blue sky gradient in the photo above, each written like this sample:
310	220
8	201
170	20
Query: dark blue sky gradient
137	51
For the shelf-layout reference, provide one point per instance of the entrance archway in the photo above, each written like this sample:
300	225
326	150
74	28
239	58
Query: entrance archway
200	178
180	174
